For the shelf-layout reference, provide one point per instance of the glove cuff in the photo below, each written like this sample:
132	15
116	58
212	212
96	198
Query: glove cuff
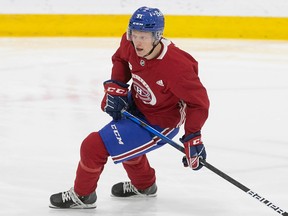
121	84
190	136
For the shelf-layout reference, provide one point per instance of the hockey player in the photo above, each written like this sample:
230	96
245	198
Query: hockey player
165	92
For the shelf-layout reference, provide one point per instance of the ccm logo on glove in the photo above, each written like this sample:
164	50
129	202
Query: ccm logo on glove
116	91
115	98
197	141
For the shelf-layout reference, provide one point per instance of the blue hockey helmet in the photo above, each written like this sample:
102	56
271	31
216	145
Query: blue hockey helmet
147	20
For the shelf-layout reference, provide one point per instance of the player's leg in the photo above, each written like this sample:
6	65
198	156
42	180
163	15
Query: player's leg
142	179
139	171
93	158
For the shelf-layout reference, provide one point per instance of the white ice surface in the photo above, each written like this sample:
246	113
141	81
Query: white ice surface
50	92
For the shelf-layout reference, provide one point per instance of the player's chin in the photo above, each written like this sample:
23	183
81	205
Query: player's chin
140	54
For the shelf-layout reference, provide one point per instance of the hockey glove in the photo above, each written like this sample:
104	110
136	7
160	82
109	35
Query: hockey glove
115	98
194	150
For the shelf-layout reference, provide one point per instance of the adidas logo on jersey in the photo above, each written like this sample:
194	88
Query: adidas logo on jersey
160	83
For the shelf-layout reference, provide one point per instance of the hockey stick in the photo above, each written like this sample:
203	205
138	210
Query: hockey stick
206	164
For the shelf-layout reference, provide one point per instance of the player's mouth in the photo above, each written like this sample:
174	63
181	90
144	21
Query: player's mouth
139	50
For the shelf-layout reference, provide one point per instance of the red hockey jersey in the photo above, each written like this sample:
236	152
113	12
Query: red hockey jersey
166	89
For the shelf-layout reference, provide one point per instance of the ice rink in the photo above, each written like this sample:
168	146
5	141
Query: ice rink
50	94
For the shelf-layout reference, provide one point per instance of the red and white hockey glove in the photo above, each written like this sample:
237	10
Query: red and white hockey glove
194	150
115	98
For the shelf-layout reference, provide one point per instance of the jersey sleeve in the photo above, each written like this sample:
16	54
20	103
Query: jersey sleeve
120	68
187	86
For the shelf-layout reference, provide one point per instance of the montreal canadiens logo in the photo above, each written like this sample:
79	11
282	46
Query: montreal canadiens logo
143	91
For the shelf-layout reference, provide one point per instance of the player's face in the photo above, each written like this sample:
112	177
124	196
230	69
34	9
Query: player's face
143	42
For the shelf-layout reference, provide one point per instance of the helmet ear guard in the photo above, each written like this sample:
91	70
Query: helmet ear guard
157	35
146	19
